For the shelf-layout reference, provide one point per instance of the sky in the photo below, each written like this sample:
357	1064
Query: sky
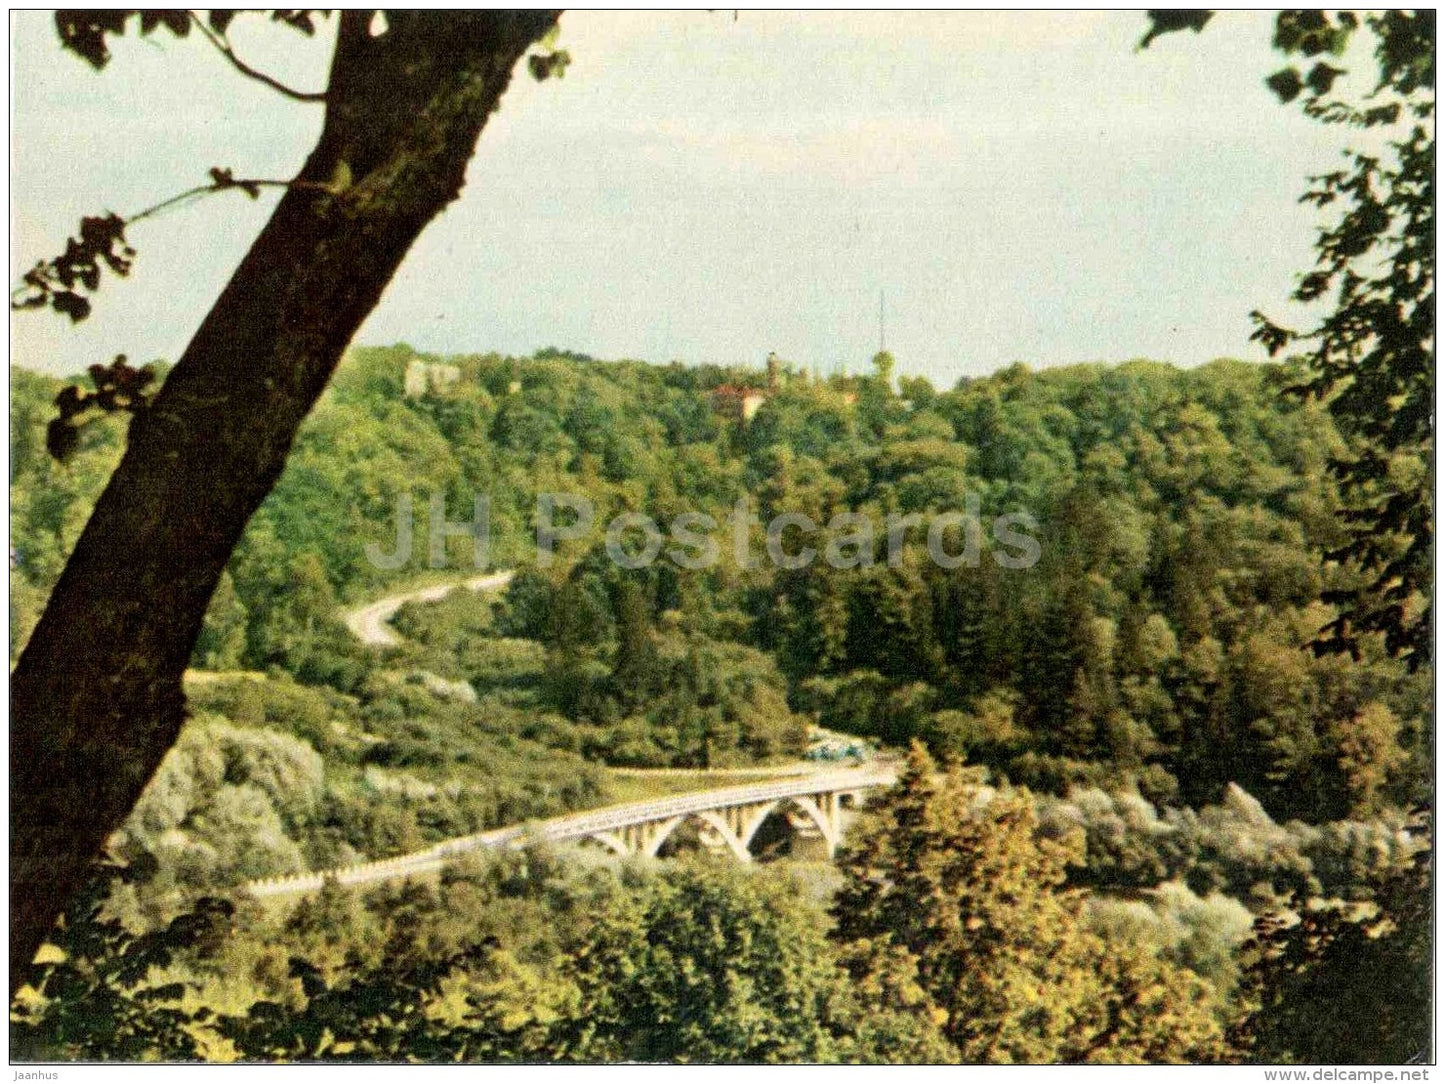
711	187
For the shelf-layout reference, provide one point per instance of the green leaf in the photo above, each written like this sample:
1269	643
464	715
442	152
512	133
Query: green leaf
1286	84
1322	76
1171	21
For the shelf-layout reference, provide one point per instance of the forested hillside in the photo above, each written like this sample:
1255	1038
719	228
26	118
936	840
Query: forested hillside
1166	756
1157	642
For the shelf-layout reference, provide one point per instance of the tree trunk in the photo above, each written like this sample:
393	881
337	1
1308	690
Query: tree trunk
96	697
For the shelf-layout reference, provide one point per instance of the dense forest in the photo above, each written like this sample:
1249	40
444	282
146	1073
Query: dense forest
1151	795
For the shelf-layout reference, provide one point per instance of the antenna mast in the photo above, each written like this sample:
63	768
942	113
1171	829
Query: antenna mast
882	342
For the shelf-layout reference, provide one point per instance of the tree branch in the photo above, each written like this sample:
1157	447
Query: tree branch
221	182
56	283
223	46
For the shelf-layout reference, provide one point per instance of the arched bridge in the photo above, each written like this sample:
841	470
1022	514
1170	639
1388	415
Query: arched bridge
727	819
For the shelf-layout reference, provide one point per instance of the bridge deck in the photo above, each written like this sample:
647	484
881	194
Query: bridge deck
575	826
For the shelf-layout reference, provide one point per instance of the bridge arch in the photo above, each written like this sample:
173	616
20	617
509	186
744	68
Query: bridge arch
754	820
709	818
610	841
819	818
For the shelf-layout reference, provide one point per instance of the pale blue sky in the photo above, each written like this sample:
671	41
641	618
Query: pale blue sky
1023	186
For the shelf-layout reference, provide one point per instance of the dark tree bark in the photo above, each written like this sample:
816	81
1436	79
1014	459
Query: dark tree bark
96	697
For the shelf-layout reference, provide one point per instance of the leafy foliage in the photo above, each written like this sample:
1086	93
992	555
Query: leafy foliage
963	882
58	282
1316	971
118	387
709	965
96	1002
85	32
1156	647
386	1014
1372	356
1172	20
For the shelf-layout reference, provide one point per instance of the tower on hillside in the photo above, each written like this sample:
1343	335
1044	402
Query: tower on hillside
883	360
883	366
774	370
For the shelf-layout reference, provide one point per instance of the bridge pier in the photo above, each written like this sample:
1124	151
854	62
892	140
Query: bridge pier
732	828
645	838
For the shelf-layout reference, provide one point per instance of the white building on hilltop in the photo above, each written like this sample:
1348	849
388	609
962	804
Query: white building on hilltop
422	377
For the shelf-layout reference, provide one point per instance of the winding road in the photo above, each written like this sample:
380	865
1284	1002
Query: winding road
369	623
803	783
